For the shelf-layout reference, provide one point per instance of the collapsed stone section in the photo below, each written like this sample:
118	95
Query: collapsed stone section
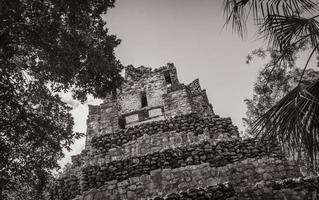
135	74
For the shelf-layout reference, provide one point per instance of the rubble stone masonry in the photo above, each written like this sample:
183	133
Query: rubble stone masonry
156	138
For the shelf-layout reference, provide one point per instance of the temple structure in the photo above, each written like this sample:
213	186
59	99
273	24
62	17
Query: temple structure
147	95
157	138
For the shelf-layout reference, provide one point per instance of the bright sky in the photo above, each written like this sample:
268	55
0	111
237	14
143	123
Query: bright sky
190	34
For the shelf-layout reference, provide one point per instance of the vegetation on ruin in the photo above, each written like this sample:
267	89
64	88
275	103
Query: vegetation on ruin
286	26
47	47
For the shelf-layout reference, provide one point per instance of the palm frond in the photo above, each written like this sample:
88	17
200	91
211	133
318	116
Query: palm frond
285	31
287	25
294	121
237	11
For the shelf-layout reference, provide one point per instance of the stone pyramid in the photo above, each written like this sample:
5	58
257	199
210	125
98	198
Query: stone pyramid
156	138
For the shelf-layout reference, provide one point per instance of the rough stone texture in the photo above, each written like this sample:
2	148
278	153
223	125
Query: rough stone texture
124	108
129	98
215	126
103	117
173	147
290	189
164	181
66	188
305	188
149	137
199	97
148	144
217	155
178	102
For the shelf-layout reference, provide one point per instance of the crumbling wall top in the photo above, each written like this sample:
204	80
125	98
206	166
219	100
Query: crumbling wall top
136	73
195	87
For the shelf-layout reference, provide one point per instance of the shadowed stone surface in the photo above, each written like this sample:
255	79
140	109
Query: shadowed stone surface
156	138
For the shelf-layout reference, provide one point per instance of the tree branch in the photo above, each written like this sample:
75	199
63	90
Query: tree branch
304	69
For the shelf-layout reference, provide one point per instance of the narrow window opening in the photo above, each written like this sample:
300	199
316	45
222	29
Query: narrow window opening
122	123
143	99
167	77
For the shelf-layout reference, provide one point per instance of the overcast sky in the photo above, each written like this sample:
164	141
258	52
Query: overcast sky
190	34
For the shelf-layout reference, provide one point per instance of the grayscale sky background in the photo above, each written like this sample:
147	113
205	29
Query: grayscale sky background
190	34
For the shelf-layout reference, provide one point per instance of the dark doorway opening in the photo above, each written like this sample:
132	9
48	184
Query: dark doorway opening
167	76
143	99
122	123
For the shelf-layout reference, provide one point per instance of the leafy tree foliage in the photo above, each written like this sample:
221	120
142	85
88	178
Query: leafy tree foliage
294	120
47	46
272	84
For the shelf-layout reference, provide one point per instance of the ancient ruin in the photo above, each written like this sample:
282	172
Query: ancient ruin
157	138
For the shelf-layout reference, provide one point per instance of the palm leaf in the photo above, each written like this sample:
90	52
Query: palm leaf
285	31
294	121
286	24
238	11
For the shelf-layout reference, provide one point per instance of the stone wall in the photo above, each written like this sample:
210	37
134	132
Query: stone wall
241	174
124	106
305	188
201	104
216	155
65	188
148	144
142	79
214	192
134	74
151	137
171	156
141	169
172	147
103	117
129	98
164	98
178	102
215	126
181	99
199	98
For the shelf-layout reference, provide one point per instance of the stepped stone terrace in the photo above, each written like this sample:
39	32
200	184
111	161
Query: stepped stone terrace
157	138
